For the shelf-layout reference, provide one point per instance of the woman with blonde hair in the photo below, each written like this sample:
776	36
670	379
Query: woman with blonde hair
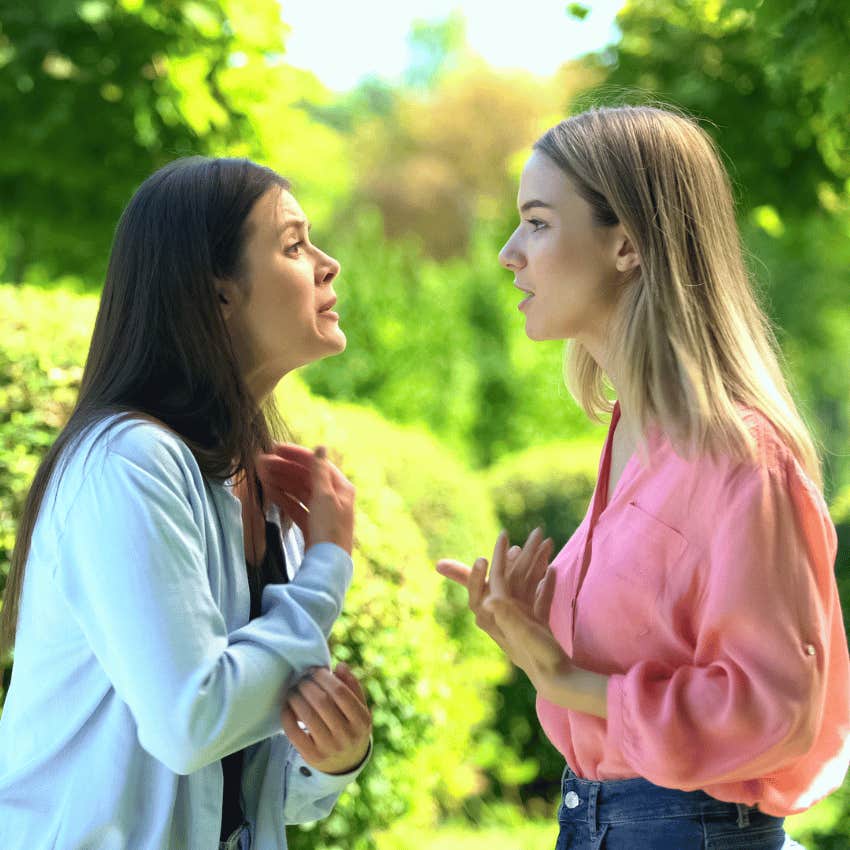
686	645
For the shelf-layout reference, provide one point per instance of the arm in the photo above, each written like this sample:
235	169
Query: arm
134	572
512	606
311	794
752	701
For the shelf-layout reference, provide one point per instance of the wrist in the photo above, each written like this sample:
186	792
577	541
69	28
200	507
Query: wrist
577	689
357	764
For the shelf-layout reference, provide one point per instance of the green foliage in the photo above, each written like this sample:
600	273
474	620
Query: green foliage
95	96
39	376
840	512
428	674
548	485
442	345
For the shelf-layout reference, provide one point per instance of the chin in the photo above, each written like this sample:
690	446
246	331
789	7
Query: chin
535	333
334	344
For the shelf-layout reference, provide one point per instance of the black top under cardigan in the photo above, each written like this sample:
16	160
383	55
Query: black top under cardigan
272	570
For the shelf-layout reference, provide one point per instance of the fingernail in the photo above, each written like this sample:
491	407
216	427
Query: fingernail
321	452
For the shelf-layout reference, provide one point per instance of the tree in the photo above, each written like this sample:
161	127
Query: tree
94	96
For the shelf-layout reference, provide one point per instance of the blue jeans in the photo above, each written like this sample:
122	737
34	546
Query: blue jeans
634	814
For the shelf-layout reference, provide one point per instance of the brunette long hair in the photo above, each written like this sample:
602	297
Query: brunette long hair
160	346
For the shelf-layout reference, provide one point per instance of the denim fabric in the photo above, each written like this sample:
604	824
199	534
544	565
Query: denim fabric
240	839
634	814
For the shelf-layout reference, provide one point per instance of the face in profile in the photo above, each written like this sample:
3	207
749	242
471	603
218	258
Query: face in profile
568	266
281	313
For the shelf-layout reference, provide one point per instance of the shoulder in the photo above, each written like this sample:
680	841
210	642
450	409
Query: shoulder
120	442
771	451
774	476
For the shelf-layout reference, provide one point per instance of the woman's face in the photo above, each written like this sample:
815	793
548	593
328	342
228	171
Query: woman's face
286	319
570	267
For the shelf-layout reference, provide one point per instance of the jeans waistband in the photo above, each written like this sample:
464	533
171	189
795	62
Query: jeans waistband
621	800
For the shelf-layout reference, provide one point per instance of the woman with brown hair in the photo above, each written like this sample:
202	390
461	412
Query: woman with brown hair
686	645
171	685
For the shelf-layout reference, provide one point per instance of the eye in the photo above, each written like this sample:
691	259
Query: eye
295	248
536	223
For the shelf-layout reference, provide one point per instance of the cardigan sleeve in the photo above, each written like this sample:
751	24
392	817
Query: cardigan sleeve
133	570
752	700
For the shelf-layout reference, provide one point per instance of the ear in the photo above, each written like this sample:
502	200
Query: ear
226	295
627	258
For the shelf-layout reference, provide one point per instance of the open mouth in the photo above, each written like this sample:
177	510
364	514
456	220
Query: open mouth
528	296
327	312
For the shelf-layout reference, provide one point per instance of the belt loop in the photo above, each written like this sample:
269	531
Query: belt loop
743	815
592	823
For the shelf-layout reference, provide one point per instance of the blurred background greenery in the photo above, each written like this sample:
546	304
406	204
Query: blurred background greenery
449	420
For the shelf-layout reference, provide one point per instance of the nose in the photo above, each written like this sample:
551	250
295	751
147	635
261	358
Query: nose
326	269
510	257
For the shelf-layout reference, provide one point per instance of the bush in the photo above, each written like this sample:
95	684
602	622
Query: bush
410	491
840	512
428	689
549	485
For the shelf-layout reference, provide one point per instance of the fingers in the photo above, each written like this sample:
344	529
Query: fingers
454	570
332	706
298	514
331	505
541	560
477	584
278	474
338	700
545	594
320	472
343	672
293	452
498	580
517	569
298	737
340	484
318	722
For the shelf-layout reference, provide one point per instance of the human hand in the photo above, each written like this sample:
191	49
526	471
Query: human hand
312	491
524	577
338	723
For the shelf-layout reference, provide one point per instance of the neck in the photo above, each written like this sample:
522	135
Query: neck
600	352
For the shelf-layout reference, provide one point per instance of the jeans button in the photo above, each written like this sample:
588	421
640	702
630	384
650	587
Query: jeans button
571	799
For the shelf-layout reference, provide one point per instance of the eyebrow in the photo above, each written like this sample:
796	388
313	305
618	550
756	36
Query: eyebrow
535	203
296	222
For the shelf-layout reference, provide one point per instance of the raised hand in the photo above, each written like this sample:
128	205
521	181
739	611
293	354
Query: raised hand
326	718
312	491
523	577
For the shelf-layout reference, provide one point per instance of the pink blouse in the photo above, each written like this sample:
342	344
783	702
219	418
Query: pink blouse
705	590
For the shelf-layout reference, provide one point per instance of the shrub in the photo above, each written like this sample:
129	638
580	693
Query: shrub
549	485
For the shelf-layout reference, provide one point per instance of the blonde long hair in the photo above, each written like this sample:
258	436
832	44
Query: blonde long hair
693	342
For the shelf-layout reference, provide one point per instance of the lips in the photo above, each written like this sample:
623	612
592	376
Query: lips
328	305
528	296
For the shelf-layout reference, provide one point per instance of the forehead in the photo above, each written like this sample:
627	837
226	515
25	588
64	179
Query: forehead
275	209
288	209
542	180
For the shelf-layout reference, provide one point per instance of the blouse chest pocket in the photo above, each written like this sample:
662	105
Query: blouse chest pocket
629	566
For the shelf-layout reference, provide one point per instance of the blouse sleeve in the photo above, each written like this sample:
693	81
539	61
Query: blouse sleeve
753	699
133	570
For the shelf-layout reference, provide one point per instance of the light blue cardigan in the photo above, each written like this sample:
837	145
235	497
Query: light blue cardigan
136	666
